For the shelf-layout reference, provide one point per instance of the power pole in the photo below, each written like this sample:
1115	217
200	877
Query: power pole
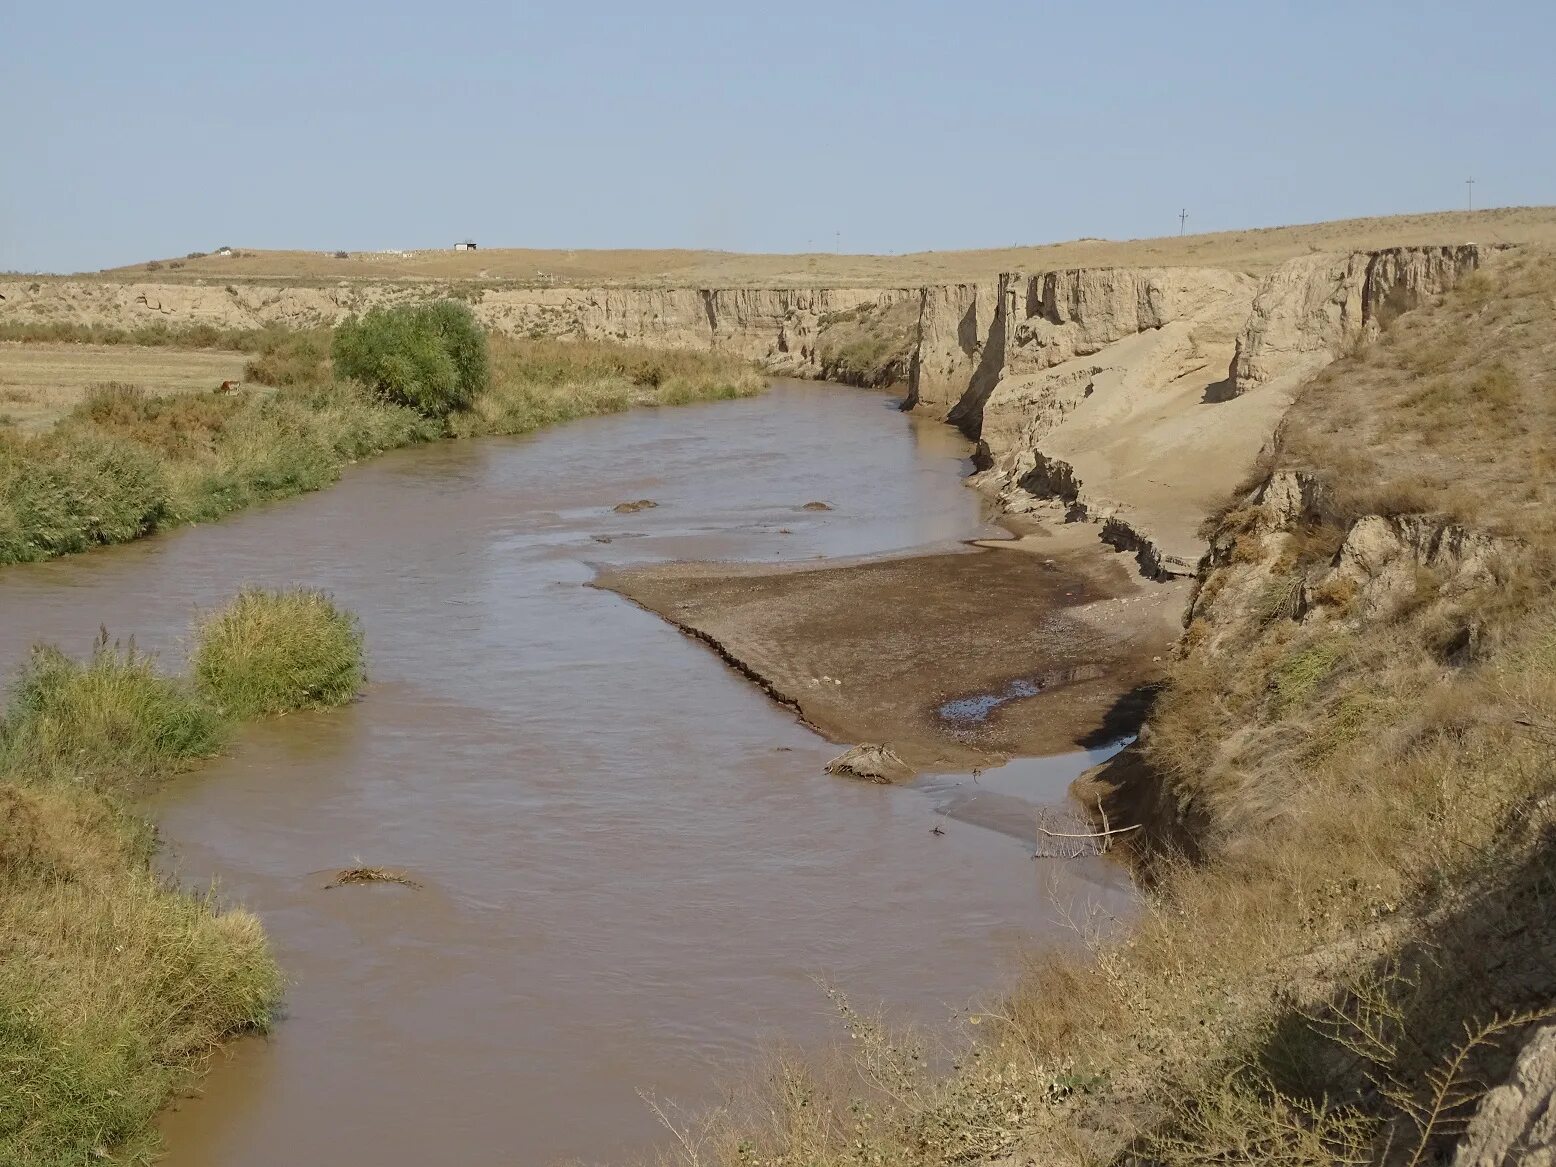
1469	185
1183	218
837	247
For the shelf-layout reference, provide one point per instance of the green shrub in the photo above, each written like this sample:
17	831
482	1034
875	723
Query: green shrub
113	987
270	652
112	720
175	424
289	357
431	357
74	488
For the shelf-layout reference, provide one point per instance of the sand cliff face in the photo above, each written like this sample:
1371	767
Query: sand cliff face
1136	397
1309	310
782	328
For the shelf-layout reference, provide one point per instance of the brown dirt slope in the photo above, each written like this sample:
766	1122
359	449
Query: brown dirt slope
1358	740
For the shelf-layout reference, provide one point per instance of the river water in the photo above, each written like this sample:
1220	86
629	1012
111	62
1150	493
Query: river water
633	867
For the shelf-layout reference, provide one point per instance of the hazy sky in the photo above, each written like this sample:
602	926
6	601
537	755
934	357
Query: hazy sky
134	130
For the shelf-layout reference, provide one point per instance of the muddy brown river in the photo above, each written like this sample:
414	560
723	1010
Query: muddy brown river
634	868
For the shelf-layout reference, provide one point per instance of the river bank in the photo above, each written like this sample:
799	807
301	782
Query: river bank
1333	588
631	861
1024	646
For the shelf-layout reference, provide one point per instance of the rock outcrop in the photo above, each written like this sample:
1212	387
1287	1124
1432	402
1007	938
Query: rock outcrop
959	354
1310	310
1516	1122
1138	397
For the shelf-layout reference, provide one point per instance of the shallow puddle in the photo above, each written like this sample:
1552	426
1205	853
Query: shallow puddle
632	868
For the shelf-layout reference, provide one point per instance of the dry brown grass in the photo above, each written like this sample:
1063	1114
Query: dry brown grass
43	382
361	874
1451	411
1254	249
869	345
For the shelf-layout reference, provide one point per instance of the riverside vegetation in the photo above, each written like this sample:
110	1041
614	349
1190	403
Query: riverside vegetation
123	463
1348	785
114	984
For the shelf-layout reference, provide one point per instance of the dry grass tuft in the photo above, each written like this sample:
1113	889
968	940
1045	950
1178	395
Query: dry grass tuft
271	652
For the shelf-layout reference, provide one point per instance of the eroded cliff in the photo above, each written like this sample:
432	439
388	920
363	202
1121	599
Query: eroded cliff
1135	397
785	329
1138	397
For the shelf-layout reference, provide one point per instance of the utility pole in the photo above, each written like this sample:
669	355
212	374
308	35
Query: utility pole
1183	218
837	247
1469	185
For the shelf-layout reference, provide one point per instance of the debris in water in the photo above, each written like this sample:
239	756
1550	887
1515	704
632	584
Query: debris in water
601	538
869	762
370	875
937	829
817	506
627	508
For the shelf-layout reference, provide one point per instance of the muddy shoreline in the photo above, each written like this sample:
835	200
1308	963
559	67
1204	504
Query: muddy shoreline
1030	646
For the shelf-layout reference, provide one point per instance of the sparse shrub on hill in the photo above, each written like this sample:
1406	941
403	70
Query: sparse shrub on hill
271	652
431	357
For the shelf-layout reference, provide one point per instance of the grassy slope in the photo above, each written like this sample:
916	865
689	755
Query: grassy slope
114	984
123	464
869	345
1364	757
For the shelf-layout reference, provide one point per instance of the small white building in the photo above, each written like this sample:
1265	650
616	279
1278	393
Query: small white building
467	245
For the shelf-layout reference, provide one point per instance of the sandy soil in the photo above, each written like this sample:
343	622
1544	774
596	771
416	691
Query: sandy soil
1026	647
40	382
1250	250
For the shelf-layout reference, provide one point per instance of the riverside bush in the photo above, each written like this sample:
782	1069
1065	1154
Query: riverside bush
275	651
110	720
431	357
124	463
114	984
74	488
289	357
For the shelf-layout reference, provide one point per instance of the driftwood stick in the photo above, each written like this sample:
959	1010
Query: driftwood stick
1089	835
